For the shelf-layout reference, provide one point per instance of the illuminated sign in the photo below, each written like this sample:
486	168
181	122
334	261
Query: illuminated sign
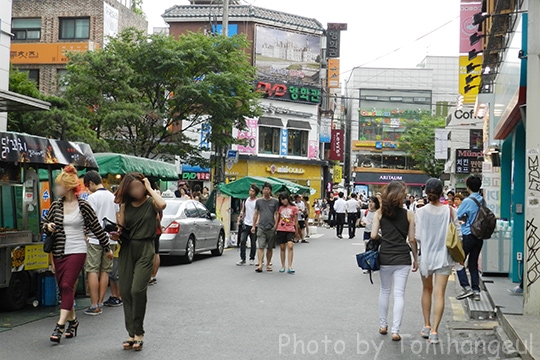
300	94
469	161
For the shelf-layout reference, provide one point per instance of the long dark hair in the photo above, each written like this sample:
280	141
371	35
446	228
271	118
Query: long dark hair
122	194
393	197
284	196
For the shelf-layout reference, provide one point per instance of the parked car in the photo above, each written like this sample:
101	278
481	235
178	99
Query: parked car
189	229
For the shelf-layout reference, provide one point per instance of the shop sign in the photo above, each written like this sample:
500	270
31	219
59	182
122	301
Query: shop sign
392	113
194	176
333	73
284	142
324	130
333	39
284	170
391	177
469	161
35	258
250	136
338	174
305	94
375	144
43	53
336	149
313	149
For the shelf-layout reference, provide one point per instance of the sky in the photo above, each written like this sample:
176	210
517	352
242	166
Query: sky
381	33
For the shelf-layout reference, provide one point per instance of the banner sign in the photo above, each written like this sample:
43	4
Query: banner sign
467	11
249	135
333	73
336	149
284	142
324	130
313	149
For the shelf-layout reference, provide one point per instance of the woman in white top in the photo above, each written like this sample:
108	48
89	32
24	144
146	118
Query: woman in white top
432	221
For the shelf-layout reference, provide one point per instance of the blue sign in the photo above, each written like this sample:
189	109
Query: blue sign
232	154
46	195
233	29
205	134
284	142
44	213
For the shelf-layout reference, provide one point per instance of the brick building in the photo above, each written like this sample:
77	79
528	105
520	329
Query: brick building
44	29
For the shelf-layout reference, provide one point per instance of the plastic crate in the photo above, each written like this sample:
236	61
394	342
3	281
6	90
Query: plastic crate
48	290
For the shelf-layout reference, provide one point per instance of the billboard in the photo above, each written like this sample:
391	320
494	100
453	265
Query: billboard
250	135
467	11
287	56
42	53
110	22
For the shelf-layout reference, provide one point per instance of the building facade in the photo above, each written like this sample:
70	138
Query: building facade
286	51
44	30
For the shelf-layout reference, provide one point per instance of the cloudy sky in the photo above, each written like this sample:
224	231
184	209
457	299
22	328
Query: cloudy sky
375	27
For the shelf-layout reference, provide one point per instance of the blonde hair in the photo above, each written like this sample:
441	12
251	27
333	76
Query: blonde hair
70	179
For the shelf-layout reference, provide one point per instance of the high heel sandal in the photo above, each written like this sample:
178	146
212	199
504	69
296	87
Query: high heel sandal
73	326
128	344
58	331
138	345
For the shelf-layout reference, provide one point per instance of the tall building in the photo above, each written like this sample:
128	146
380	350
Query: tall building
44	30
380	102
286	50
10	101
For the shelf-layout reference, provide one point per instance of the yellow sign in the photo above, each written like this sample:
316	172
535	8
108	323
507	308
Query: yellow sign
35	258
474	77
42	53
338	174
333	73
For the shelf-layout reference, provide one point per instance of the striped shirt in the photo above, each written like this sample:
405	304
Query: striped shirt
91	225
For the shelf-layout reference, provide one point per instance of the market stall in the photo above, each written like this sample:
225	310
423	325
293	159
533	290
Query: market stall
21	156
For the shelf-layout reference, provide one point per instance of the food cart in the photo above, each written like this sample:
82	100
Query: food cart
23	204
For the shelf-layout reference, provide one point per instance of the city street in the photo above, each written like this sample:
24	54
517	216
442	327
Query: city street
213	309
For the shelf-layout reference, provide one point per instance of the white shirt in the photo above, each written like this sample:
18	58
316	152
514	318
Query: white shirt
352	206
102	201
340	206
301	208
249	211
75	236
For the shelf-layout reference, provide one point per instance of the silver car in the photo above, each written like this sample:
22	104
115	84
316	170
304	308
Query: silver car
188	229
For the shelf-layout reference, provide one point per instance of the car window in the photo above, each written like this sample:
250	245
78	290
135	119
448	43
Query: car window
203	212
190	210
172	208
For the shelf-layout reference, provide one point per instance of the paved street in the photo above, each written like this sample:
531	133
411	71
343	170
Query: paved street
212	309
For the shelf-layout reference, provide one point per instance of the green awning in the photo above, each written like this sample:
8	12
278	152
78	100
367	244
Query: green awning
114	164
240	188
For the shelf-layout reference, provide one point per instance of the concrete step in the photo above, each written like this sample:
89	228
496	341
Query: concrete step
521	331
480	310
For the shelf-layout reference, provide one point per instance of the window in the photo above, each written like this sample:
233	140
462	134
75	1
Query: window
33	74
269	140
298	142
26	29
190	210
203	212
74	28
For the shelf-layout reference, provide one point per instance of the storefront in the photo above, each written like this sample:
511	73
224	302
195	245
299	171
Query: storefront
303	172
377	179
196	175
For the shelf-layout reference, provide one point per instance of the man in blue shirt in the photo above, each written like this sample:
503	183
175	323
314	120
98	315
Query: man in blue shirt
471	245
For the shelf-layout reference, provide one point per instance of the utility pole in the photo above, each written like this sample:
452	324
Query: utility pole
226	17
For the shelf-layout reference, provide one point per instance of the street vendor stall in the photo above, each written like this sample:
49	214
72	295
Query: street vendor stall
21	250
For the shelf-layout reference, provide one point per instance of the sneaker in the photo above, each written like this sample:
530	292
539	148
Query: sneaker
251	262
476	296
153	281
109	301
116	302
516	291
93	310
241	263
465	294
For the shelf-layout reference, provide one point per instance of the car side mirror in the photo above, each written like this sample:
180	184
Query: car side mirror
213	216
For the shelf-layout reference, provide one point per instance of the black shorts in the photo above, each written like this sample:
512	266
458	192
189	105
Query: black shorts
283	237
301	224
156	243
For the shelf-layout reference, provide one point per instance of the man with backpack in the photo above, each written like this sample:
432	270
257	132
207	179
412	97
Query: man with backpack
475	216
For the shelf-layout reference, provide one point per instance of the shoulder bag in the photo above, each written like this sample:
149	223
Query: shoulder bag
453	243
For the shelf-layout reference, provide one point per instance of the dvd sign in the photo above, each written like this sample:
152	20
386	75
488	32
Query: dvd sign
195	176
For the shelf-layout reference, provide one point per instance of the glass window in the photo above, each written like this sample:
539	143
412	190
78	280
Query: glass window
172	208
26	29
74	28
203	212
298	142
190	210
269	140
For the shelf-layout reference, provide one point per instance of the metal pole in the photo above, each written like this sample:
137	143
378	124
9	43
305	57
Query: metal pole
226	17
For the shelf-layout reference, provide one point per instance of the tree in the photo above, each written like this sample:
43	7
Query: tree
143	93
419	141
59	122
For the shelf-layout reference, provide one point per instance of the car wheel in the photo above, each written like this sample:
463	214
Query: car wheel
190	250
14	297
218	251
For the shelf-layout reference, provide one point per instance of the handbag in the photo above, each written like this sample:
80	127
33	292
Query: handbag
453	243
110	227
369	261
48	244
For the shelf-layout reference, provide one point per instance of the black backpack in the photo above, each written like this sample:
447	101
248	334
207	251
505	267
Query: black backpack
485	223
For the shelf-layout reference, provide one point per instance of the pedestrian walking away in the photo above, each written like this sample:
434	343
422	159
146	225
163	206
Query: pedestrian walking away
367	220
98	264
397	229
340	208
286	226
301	205
264	220
68	219
245	223
471	245
352	207
331	211
431	223
139	208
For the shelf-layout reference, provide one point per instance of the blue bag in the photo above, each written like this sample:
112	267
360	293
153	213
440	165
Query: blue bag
369	261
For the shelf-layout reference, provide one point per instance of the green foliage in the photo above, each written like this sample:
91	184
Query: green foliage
136	7
419	141
143	93
58	123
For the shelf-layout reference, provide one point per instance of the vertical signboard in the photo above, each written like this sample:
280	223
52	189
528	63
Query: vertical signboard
467	11
469	81
324	130
284	142
333	73
250	136
110	22
338	174
205	135
313	150
333	39
336	148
